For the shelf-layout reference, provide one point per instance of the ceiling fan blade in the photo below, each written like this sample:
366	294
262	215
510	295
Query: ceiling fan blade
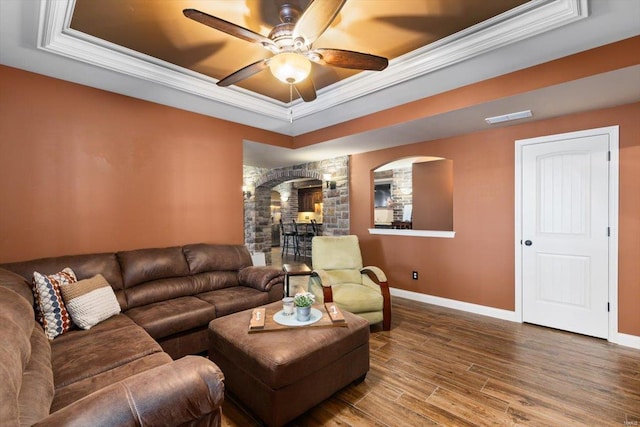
350	59
306	89
227	27
244	73
316	19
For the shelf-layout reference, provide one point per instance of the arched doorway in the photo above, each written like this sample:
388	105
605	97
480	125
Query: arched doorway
258	220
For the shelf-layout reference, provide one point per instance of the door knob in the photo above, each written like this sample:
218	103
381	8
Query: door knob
528	242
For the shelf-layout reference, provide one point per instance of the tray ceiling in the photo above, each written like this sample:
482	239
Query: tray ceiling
388	28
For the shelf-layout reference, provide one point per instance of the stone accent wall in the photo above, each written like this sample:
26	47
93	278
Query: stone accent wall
260	181
401	191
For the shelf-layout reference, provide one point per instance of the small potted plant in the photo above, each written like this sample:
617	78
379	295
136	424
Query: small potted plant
303	302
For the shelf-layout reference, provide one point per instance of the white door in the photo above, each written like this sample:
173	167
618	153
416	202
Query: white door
565	228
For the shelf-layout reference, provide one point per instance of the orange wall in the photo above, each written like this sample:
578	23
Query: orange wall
83	170
433	195
477	266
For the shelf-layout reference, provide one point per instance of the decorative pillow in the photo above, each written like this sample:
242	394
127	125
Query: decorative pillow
50	309
90	301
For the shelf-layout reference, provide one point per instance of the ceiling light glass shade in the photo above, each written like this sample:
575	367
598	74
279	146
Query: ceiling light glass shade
290	67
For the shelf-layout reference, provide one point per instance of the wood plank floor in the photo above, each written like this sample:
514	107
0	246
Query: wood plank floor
445	367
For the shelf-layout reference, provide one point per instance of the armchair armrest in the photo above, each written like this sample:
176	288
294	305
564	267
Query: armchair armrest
260	277
325	281
376	271
386	294
177	393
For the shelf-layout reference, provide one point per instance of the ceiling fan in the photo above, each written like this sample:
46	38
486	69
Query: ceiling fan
291	44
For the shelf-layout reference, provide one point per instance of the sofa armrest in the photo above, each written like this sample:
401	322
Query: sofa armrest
177	393
260	277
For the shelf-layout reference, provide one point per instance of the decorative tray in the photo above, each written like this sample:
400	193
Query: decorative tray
267	319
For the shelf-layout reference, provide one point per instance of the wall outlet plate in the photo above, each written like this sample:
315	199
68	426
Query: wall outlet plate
414	275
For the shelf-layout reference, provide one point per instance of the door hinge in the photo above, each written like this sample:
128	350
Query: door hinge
608	231
608	156
608	307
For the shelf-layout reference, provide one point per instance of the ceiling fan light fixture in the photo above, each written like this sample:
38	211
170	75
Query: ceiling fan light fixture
289	67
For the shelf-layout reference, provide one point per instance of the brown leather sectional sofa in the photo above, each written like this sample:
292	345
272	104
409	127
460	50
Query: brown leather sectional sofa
122	371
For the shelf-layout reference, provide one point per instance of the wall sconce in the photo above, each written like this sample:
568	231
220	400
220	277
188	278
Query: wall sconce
245	192
330	183
284	197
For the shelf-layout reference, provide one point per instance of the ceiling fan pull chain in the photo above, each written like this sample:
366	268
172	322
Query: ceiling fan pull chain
290	103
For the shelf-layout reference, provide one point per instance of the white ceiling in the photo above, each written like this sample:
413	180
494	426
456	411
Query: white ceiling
543	31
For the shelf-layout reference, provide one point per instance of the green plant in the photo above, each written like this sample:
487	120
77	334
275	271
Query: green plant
304	299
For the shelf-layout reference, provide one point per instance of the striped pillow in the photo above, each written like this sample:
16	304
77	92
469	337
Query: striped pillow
90	301
51	312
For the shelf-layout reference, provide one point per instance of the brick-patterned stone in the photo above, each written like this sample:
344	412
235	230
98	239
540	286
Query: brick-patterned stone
261	181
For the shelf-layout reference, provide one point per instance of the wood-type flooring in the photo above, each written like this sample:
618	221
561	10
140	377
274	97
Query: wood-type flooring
439	366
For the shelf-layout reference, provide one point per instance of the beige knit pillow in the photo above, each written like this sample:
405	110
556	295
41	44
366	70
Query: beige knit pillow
90	301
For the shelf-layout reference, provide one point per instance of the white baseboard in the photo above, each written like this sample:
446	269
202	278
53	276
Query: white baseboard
619	338
626	340
457	305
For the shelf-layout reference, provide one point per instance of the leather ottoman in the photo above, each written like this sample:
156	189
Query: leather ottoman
278	375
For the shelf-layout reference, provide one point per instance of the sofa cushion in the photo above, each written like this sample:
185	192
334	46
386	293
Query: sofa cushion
88	353
237	298
166	318
205	257
159	290
50	309
111	324
145	265
79	389
90	301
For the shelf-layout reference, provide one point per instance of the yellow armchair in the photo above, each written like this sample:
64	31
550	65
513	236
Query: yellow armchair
339	276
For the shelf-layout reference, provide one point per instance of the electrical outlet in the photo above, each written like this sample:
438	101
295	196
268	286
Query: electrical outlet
415	275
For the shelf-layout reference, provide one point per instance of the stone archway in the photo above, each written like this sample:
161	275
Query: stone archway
257	208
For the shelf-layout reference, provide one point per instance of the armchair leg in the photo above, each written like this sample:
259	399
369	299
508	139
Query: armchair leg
386	322
386	307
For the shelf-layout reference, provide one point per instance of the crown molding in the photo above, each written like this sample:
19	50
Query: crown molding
527	20
530	19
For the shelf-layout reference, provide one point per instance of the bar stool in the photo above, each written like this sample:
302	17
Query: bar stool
288	237
315	228
304	236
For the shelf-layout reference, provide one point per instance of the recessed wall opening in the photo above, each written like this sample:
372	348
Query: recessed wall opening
414	193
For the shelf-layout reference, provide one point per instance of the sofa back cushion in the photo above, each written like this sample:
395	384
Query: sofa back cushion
146	265
204	257
153	275
84	267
